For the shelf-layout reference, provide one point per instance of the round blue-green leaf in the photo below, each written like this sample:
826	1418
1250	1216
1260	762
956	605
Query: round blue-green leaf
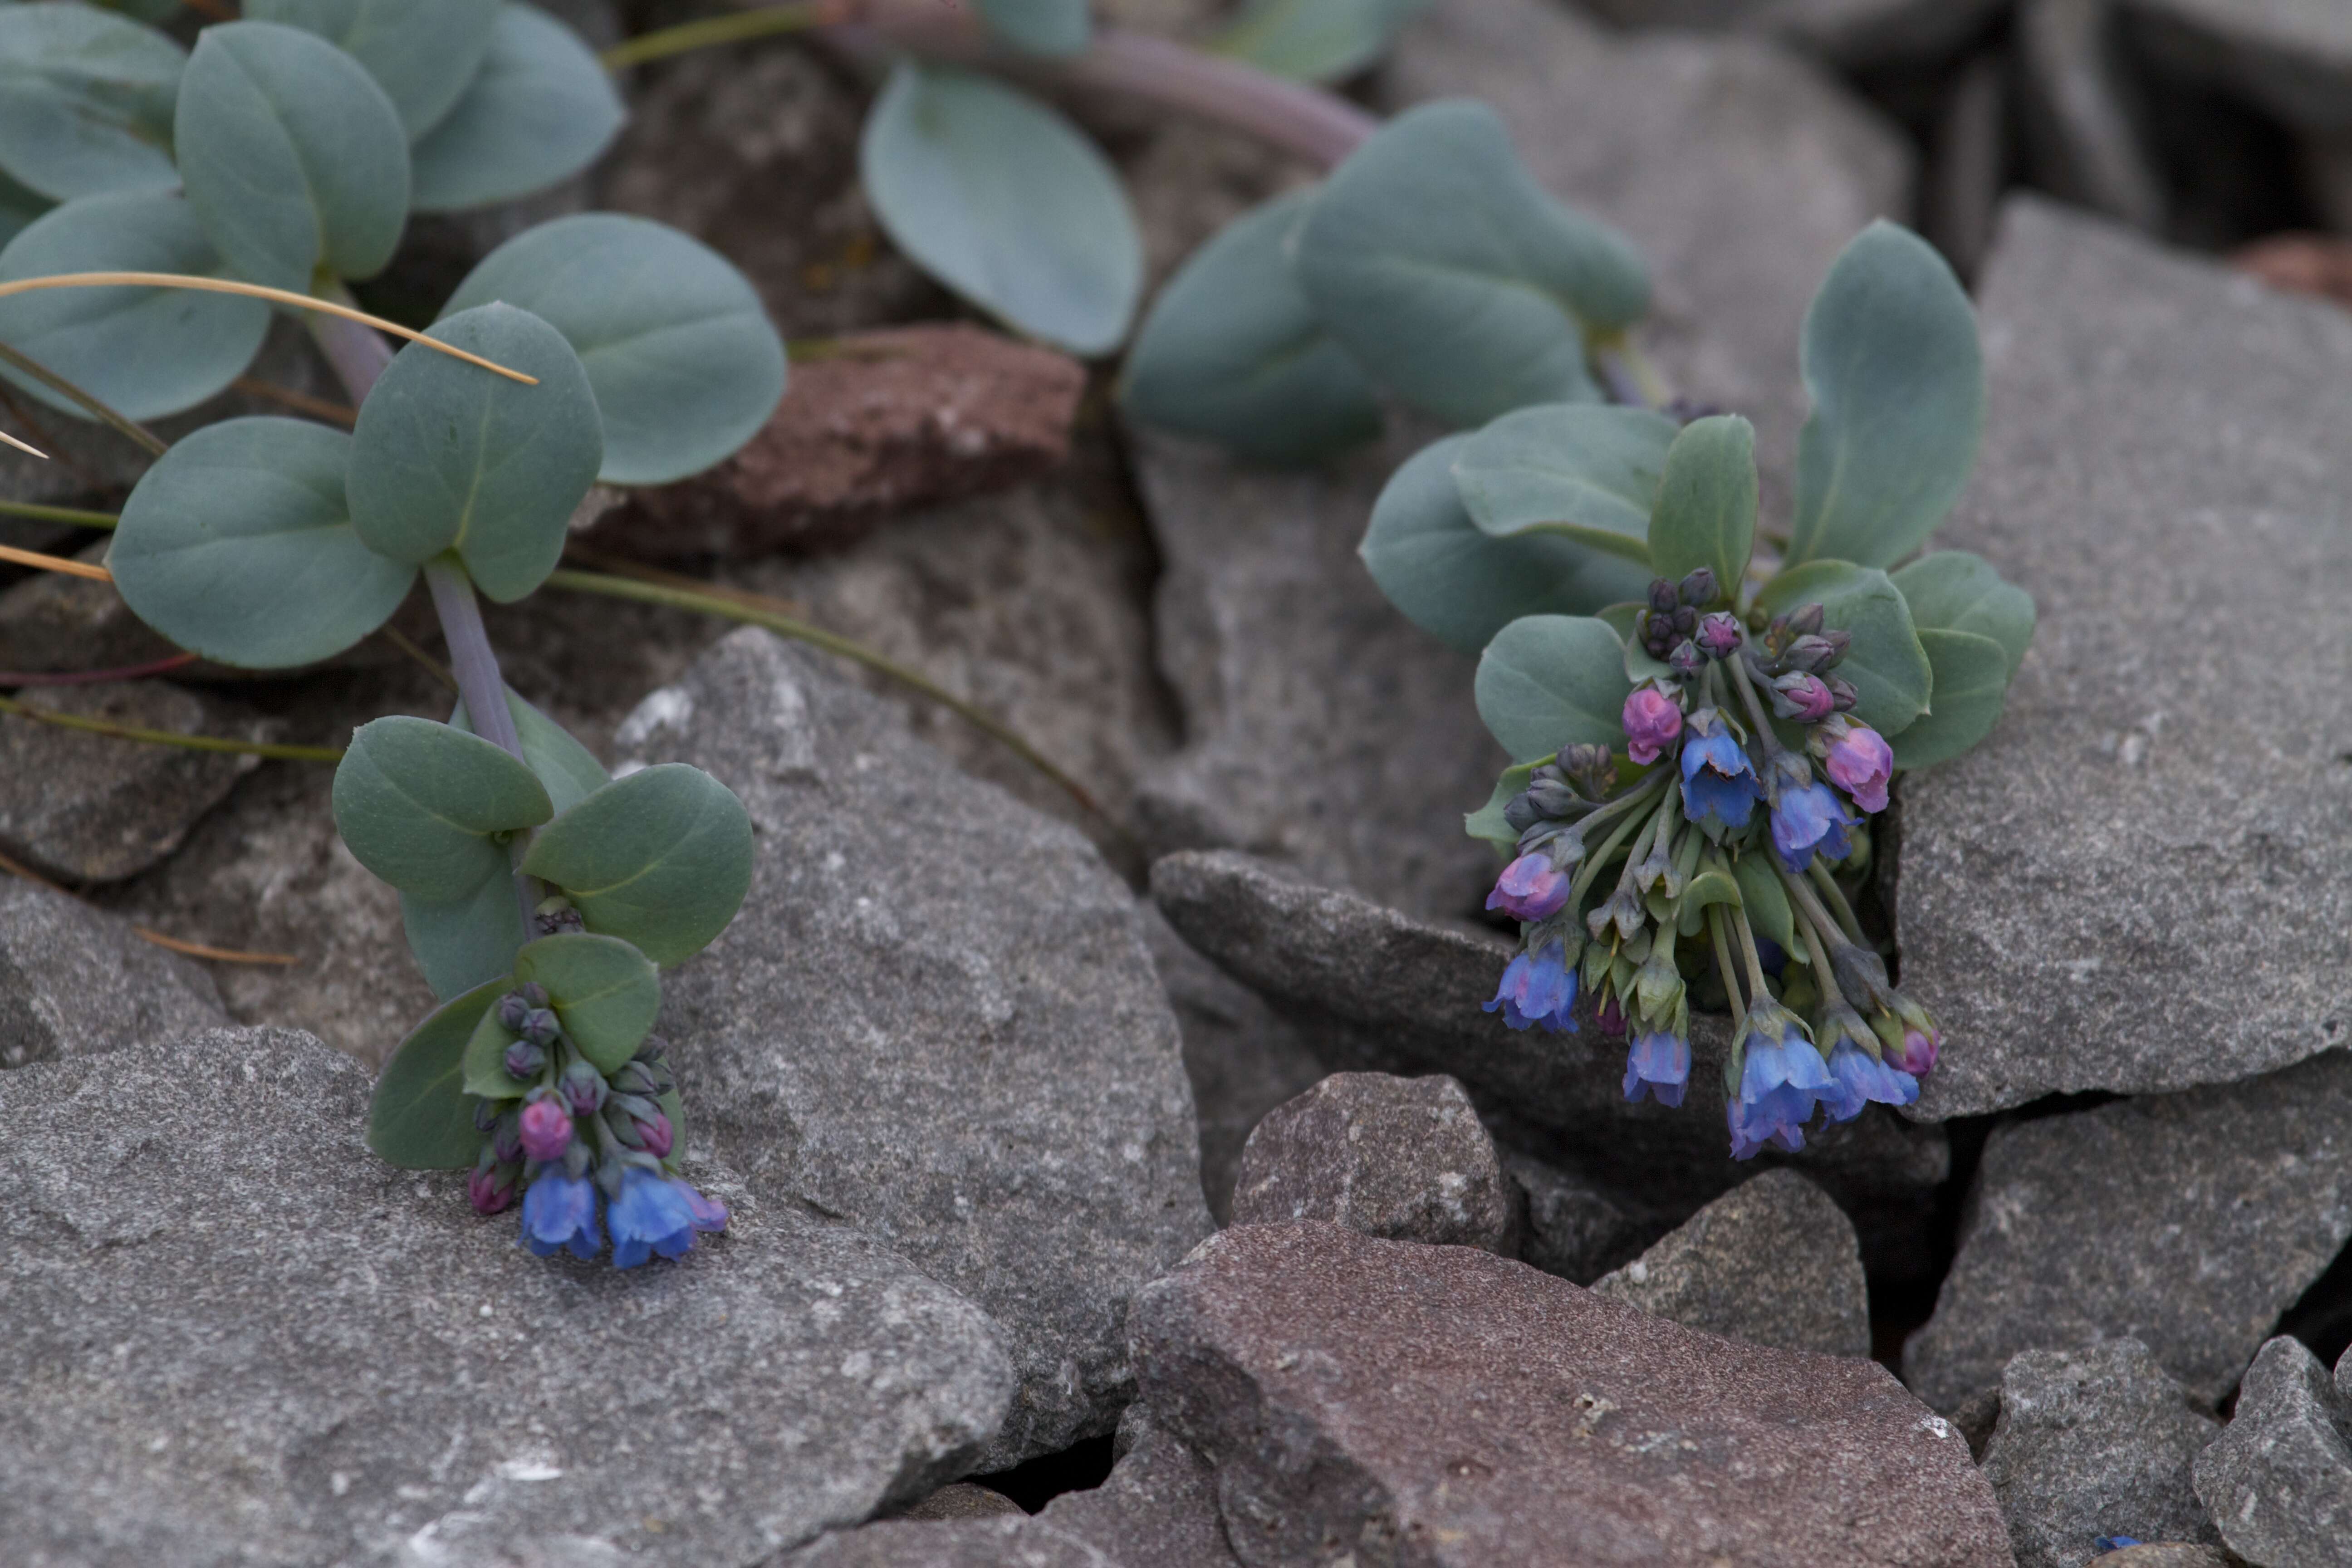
1454	277
1953	590
1316	41
146	351
1888	667
430	808
1233	353
419	1118
485	1059
86	101
464	941
1548	681
604	990
569	769
540	110
680	351
292	156
237	545
1049	28
1972	688
18	208
422	53
1005	202
1463	586
1706	503
1585	471
1891	358
448	457
661	859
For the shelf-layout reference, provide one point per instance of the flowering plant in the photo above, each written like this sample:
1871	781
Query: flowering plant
1705	730
170	196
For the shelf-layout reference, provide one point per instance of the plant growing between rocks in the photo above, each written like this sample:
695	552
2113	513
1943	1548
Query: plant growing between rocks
280	157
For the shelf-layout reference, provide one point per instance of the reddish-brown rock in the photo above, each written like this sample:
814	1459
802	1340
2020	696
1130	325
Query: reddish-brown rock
1421	1406
879	422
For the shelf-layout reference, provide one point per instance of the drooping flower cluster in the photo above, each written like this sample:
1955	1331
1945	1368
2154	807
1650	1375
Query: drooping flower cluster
571	1136
1755	784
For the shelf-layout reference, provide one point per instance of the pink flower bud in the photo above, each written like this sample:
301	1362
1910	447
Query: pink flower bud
1652	723
546	1130
658	1135
1530	889
492	1190
1859	762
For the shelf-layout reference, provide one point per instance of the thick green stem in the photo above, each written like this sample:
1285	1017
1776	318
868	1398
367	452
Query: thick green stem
1835	896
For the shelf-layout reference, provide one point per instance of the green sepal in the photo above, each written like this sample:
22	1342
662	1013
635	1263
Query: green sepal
486	1067
604	991
1487	822
1766	901
662	858
419	1116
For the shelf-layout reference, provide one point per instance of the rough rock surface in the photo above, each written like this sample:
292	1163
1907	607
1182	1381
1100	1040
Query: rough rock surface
2279	1479
964	1500
1370	989
237	1337
2108	893
2085	134
879	422
2095	1442
1569	1226
1772	1262
1440	1406
1403	1158
1243	1061
1322	729
1157	1509
75	981
2168	1554
2187	1222
1853	33
935	1019
2292	57
92	808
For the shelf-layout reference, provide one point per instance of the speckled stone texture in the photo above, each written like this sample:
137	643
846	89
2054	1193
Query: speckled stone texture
1403	1158
2142	880
1772	1262
75	981
236	1337
1428	1406
1372	989
2095	1442
2187	1222
2279	1479
935	1019
90	808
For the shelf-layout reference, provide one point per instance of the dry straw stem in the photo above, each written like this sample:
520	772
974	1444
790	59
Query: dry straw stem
252	292
193	949
15	556
172	738
24	446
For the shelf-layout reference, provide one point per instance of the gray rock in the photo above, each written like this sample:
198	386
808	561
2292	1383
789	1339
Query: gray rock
1157	1509
935	1019
237	1337
1772	1262
1969	165
2293	57
2095	1442
1440	1406
75	981
1403	1158
1571	1227
1370	989
2084	128
2168	1554
1243	1061
2102	895
2187	1222
962	1500
2279	1479
1860	34
94	808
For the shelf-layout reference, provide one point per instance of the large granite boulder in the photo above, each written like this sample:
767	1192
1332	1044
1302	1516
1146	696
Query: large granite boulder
2143	879
1439	1405
2187	1222
1772	1262
935	1019
235	1336
75	981
1324	730
2095	1443
2279	1479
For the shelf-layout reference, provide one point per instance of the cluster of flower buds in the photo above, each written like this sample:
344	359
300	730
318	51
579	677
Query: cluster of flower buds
1630	890
569	1136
